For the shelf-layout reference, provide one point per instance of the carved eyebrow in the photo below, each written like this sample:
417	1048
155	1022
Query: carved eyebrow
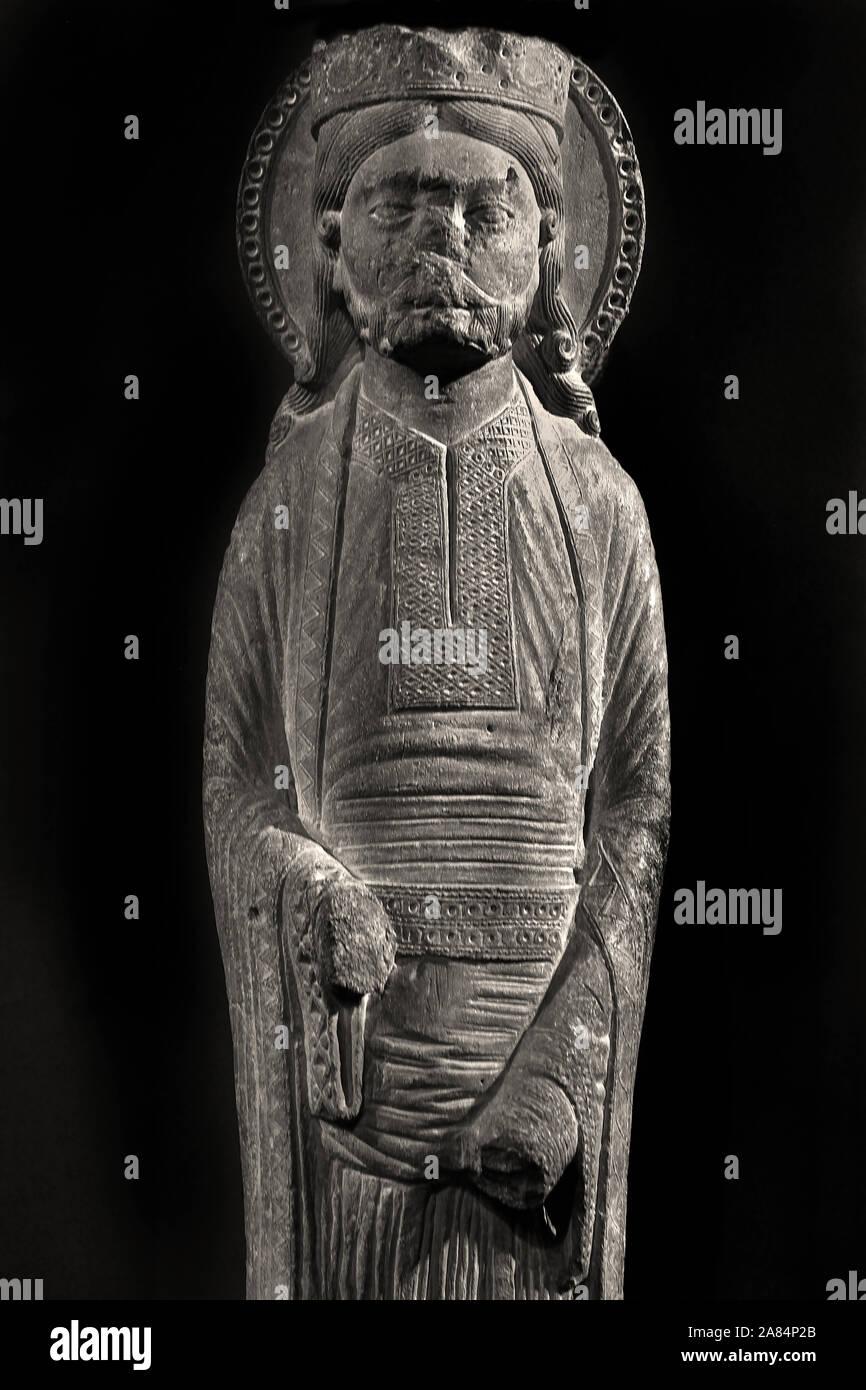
401	182
495	186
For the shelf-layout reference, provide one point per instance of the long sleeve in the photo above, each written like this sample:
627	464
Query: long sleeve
253	832
252	836
272	880
629	791
269	875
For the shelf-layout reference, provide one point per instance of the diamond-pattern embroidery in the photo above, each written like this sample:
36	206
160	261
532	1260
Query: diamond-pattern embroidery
416	466
381	439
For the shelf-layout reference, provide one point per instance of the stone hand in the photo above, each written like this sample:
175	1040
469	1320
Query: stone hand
517	1146
341	946
352	938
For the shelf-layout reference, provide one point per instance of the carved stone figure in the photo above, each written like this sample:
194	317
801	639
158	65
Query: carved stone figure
437	747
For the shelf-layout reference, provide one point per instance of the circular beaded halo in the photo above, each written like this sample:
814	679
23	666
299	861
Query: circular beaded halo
604	218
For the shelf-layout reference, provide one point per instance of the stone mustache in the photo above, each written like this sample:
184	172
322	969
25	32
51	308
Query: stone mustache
436	883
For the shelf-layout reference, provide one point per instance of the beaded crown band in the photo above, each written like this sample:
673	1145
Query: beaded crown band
392	63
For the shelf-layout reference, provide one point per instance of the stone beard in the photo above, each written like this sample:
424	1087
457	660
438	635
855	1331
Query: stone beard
409	885
473	319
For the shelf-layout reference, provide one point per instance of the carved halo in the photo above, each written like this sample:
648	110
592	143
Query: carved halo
604	211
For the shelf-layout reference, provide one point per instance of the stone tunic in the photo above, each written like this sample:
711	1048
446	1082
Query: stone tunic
458	796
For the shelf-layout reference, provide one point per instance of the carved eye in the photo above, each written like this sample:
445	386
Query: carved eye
491	214
391	213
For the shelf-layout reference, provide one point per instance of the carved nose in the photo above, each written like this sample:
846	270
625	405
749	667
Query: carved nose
445	231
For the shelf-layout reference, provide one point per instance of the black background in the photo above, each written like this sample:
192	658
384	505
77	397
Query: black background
119	257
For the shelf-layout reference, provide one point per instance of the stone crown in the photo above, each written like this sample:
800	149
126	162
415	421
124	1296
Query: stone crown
393	63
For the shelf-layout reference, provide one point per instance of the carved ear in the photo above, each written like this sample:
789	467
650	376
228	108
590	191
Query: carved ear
548	226
328	230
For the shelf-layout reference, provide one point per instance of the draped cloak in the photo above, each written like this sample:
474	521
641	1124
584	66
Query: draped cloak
526	804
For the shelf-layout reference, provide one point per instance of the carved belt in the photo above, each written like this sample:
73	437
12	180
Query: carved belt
480	923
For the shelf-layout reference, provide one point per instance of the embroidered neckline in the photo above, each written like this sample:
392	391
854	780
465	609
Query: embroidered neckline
397	448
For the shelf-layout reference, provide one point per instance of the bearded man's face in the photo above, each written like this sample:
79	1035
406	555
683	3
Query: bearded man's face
438	256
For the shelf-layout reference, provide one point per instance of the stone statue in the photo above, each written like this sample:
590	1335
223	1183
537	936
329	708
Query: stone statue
436	781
